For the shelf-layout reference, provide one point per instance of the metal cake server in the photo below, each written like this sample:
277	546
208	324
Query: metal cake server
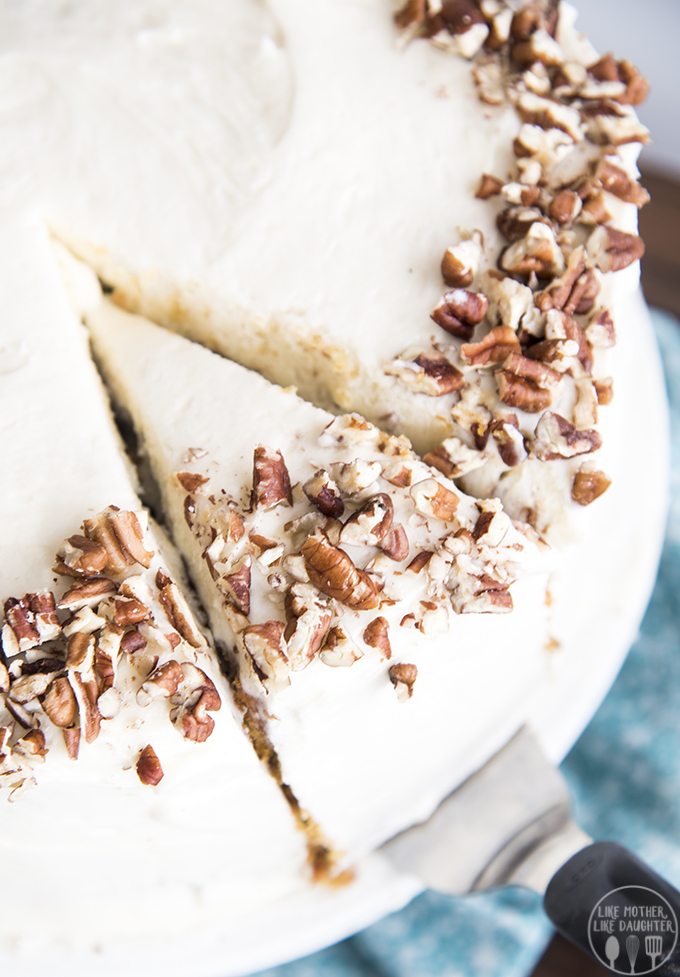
510	823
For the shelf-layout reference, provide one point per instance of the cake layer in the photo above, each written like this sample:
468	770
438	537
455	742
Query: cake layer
355	586
101	850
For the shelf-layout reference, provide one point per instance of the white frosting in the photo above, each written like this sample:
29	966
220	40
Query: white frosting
336	245
284	202
90	844
360	761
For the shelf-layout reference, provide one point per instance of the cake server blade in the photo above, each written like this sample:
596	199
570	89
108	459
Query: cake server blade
510	823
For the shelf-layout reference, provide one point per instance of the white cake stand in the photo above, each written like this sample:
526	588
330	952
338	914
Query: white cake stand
612	578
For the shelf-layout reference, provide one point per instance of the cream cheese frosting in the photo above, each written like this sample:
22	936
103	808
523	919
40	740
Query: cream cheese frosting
92	842
356	673
306	242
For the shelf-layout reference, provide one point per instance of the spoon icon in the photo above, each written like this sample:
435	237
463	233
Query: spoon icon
612	950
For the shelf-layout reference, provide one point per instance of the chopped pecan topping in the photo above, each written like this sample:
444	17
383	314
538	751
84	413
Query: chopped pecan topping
369	524
420	561
526	384
60	703
612	250
323	493
403	678
495	347
555	437
636	87
575	291
195	699
339	651
600	330
489	186
431	498
177	609
588	486
129	611
309	618
616	181
271	481
163	683
29	621
565	206
605	390
509	440
536	253
377	635
395	543
121	535
487	75
237	583
454	458
549	114
72	741
190	481
87	593
460	263
332	571
149	769
459	311
427	373
266	646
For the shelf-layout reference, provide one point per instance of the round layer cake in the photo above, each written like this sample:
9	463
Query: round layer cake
424	222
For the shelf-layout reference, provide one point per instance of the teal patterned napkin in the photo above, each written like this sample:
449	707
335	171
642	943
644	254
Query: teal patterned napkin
624	774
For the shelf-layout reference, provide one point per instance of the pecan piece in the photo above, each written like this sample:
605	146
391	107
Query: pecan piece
377	635
495	347
526	384
588	486
575	291
149	769
163	683
403	678
266	647
323	493
177	609
369	524
431	498
309	618
460	263
454	458
612	250
427	373
271	481
332	571
339	651
121	535
395	543
565	206
489	186
536	253
459	311
191	481
59	703
196	698
87	593
555	437
616	181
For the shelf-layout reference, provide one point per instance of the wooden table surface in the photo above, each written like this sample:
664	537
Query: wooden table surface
660	228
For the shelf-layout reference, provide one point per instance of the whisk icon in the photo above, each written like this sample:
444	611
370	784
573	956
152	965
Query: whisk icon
653	948
632	949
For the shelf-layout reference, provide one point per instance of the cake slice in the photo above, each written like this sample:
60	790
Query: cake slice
438	231
383	637
131	801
